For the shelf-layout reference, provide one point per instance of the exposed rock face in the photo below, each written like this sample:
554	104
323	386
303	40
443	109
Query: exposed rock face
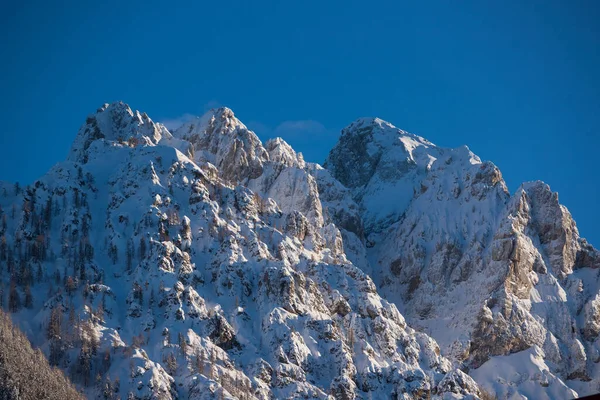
208	265
205	265
221	139
116	124
485	273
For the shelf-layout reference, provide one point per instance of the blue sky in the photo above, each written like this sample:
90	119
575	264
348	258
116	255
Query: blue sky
517	81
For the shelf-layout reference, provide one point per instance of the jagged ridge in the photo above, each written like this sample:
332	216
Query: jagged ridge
211	265
202	264
485	273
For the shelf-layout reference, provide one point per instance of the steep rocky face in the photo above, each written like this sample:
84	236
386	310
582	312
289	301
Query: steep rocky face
115	124
485	273
538	241
384	167
221	139
205	265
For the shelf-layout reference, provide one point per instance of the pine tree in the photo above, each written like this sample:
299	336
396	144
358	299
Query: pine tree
76	202
56	352
28	297
14	300
72	326
54	324
70	285
171	363
56	207
10	261
24	276
48	213
152	299
3	248
182	343
82	272
94	342
113	253
138	293
142	248
84	364
129	254
39	273
106	361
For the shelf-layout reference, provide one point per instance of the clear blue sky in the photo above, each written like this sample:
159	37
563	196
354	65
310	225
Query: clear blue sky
517	81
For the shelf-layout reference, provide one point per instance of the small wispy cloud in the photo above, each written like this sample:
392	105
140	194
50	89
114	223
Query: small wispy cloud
262	130
211	104
310	137
302	127
174	123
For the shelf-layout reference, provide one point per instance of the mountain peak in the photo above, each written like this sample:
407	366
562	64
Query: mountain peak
224	116
221	120
367	123
115	105
115	122
207	254
385	167
371	144
381	131
223	140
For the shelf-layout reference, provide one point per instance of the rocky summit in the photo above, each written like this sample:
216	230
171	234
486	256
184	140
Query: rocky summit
201	263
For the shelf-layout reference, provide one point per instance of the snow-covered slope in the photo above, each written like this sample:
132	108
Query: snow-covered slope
203	264
488	275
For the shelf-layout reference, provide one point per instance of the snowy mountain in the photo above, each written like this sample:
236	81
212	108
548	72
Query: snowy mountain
503	283
201	263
